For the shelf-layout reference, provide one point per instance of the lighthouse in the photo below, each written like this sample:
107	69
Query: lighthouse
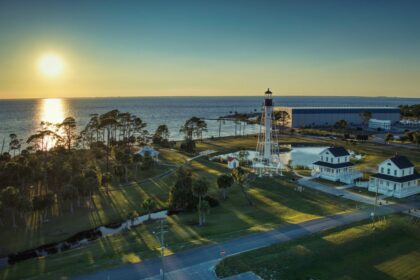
267	160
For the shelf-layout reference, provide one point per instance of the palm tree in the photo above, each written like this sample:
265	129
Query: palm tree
14	144
220	121
366	116
106	180
108	123
200	189
125	158
282	117
1	212
68	126
42	140
70	193
149	205
224	181
204	209
389	137
240	176
161	135
9	197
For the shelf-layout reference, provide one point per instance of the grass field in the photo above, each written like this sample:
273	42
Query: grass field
115	206
392	251
276	203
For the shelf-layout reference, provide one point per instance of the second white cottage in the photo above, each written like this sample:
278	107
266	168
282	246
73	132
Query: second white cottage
396	177
334	165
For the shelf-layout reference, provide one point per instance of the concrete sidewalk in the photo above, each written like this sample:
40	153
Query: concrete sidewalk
341	192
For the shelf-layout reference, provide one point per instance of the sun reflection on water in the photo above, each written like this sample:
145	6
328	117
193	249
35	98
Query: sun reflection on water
52	110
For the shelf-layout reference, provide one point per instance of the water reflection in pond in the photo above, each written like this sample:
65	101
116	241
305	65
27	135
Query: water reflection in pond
298	155
302	155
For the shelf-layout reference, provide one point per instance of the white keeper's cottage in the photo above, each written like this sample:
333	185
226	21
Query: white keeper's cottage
232	162
396	177
334	165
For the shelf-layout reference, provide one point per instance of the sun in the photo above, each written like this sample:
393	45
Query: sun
51	65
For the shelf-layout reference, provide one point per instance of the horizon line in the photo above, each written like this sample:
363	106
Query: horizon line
207	96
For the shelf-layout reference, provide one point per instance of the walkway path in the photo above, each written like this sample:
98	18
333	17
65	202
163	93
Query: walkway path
307	182
197	263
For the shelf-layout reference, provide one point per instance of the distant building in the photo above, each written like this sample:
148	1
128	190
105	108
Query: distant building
396	177
381	124
232	162
150	150
327	116
335	165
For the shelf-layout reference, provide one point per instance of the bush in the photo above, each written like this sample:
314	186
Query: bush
188	146
213	202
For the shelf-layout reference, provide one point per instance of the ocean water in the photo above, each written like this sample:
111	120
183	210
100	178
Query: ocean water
24	116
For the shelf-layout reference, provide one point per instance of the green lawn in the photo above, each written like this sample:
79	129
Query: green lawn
107	208
392	251
276	203
304	172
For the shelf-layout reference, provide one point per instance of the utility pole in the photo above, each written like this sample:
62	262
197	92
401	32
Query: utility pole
375	205
161	238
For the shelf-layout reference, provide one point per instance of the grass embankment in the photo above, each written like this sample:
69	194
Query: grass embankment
276	203
392	251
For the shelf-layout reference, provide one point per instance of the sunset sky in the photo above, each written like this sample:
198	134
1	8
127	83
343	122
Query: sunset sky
161	48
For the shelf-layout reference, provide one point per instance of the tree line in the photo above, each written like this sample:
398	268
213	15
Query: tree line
60	167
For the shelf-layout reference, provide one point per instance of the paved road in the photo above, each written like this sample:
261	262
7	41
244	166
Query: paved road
197	263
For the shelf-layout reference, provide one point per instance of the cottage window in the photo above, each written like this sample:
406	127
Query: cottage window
388	171
403	172
338	160
395	172
382	170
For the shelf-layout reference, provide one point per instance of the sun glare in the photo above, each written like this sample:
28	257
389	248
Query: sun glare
51	65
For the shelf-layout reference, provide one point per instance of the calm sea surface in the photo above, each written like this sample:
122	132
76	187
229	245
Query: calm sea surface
23	116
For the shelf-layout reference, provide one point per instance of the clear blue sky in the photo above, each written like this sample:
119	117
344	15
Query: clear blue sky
115	48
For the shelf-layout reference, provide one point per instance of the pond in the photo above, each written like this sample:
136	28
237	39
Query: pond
298	155
303	156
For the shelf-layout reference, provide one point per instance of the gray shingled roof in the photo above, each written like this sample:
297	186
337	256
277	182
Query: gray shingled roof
408	178
401	161
338	151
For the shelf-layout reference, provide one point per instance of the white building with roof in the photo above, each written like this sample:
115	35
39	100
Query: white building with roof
381	124
334	165
232	162
327	116
396	177
148	150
